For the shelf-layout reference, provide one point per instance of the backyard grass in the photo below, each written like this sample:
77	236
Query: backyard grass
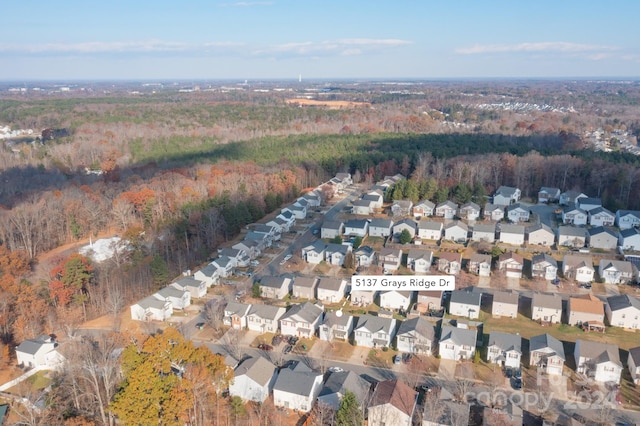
528	328
31	385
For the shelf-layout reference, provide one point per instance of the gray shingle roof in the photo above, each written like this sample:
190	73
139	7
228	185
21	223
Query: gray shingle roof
505	341
346	381
296	382
466	297
331	319
332	224
506	297
634	353
307	312
547	341
459	336
419	326
305	282
258	369
622	301
265	311
381	223
551	301
599	351
374	324
330	283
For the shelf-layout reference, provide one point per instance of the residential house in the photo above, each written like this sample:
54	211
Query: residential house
401	208
633	362
239	258
334	254
41	352
517	213
416	335
297	388
602	238
361	207
235	315
405	224
335	325
423	208
208	275
588	203
572	215
546	308
275	287
396	299
512	234
392	404
450	411
314	198
305	287
484	232
506	195
289	219
297	210
623	311
569	236
480	264
493	212
331	289
362	297
260	240
430	230
469	211
420	260
617	271
601	217
540	234
364	256
548	195
224	265
356	228
264	318
578	268
504	349
547	353
301	320
151	308
626	219
376	198
390	258
457	343
380	227
629	239
345	179
505	304
374	332
585	310
338	384
456	231
598	360
252	247
429	300
314	252
450	262
570	197
331	229
446	209
544	266
272	233
511	264
253	379
179	299
195	287
465	303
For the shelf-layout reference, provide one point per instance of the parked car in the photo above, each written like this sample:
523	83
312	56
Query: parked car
265	347
516	383
293	340
287	349
276	340
397	359
585	285
406	358
200	325
555	282
335	370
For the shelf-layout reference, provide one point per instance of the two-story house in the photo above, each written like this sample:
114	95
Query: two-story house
374	332
544	266
629	239
505	304
275	287
392	404
429	300
484	232
602	238
314	253
396	299
264	318
423	208
335	325
305	287
511	264
598	360
469	211
512	234
365	256
480	264
416	335
430	230
465	303
253	379
548	195
301	320
297	387
405	224
572	215
569	236
601	217
356	228
578	268
586	310
450	263
456	231
627	219
331	289
517	213
547	353
331	229
338	384
390	258
420	260
540	234
457	343
235	315
617	271
401	208
588	203
446	209
633	362
623	311
546	308
504	349
493	212
506	195
380	227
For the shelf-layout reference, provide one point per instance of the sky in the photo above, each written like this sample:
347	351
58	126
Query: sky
318	39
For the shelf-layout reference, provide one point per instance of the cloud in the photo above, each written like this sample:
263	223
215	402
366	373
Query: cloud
344	47
540	47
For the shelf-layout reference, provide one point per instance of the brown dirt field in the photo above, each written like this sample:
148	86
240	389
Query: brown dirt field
328	104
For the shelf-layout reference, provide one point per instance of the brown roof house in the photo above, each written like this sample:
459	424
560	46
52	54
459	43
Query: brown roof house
392	403
511	264
450	263
588	310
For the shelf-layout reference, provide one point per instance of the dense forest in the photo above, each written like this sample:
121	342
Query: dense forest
177	175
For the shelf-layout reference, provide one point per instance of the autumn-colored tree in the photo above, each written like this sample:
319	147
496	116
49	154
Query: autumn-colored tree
70	280
163	378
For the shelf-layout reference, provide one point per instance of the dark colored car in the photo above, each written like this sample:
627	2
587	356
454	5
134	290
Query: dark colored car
293	340
287	349
516	383
397	359
200	325
265	347
406	358
276	340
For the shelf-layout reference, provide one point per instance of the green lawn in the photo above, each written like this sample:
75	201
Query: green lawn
33	384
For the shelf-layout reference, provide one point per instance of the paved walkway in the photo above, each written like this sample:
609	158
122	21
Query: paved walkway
19	379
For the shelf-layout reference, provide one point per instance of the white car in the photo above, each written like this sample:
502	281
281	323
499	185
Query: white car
335	370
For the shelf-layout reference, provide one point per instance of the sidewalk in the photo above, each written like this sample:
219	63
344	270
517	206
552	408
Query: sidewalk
19	379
